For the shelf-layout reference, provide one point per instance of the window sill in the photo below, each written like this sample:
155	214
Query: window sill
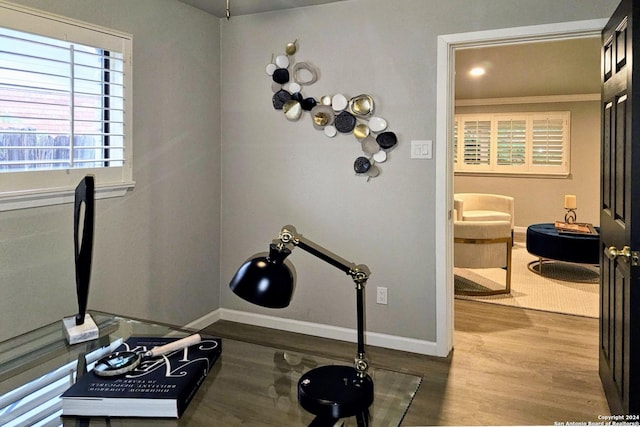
562	175
50	197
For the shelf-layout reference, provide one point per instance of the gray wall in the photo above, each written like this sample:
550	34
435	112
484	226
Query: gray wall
156	249
200	87
275	172
542	199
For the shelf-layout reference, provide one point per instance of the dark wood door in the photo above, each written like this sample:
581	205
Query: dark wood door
620	213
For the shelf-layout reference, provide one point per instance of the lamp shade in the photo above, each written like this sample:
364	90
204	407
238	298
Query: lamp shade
265	281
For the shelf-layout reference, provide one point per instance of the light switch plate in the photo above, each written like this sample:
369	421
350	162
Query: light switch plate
422	149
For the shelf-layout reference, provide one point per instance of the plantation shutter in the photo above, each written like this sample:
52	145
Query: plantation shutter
548	142
477	142
455	142
511	142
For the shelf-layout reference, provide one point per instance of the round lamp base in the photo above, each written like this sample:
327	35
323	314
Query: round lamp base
335	391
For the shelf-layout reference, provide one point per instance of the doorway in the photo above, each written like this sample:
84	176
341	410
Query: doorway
447	46
514	97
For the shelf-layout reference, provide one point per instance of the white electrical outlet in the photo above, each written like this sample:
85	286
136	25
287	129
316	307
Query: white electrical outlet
381	295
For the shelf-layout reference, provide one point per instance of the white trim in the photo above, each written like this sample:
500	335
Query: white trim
328	331
444	201
563	175
60	18
520	229
47	197
550	99
527	34
444	163
204	321
316	329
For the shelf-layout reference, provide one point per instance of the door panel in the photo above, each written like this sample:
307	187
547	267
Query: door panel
620	205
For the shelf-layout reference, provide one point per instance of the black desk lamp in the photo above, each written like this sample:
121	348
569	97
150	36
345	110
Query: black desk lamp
329	392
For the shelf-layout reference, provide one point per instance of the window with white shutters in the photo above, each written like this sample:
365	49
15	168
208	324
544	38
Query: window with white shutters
65	108
535	143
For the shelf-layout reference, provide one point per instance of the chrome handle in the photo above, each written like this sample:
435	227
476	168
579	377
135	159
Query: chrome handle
612	252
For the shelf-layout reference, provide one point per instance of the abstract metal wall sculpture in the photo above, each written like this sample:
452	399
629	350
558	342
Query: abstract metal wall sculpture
332	114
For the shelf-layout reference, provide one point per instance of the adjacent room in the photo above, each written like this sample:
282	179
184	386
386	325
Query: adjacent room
509	84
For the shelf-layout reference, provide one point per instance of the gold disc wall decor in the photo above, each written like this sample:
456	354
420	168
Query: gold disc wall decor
333	114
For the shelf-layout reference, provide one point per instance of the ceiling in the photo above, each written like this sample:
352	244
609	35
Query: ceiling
563	67
247	7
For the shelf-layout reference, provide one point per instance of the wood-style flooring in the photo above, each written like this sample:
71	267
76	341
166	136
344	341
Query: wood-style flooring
509	366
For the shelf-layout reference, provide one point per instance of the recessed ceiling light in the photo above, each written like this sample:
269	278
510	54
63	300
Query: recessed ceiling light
477	72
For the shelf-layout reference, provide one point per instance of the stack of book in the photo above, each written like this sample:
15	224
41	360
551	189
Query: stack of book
160	386
575	228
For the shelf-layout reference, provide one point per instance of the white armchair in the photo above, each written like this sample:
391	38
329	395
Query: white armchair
483	207
483	244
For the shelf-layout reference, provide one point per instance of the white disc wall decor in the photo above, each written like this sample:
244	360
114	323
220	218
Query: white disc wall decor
333	114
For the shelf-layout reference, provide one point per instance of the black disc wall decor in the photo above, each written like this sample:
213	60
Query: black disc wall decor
332	114
345	122
361	165
280	98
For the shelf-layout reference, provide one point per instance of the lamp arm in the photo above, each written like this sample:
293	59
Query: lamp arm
359	274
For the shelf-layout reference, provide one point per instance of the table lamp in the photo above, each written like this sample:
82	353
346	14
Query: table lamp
329	392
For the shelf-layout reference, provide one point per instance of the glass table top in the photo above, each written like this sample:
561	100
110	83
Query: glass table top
249	385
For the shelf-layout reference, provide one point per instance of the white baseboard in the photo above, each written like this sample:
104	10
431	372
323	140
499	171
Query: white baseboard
520	233
205	320
520	229
316	329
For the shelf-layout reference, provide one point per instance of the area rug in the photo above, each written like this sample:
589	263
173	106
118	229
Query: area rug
566	288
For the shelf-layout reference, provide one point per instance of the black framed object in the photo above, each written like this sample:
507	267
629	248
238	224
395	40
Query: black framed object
83	247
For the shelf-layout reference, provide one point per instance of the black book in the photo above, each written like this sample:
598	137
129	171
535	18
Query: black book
159	386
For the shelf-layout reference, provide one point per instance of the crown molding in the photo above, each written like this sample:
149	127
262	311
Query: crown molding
550	99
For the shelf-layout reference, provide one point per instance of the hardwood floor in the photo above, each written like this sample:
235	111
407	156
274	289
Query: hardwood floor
509	366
